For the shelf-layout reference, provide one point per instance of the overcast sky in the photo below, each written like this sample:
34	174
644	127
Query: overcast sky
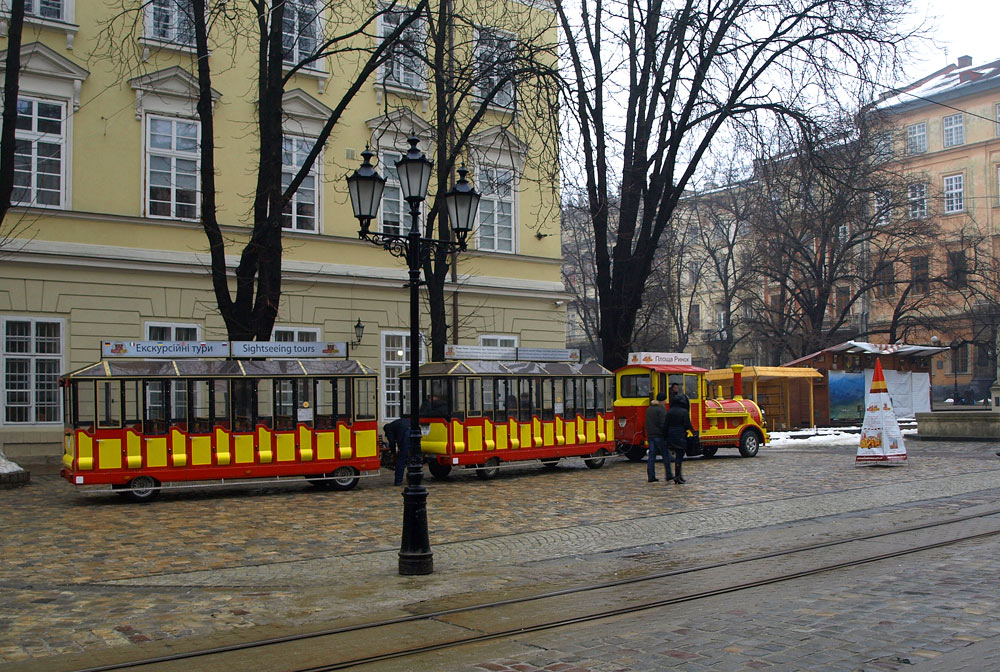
963	27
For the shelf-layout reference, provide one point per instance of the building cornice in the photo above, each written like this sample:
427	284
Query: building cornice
79	255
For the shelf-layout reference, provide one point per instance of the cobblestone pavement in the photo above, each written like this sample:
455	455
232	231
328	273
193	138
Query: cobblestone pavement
83	573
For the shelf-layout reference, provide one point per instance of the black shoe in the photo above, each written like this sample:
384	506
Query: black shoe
679	480
398	483
652	480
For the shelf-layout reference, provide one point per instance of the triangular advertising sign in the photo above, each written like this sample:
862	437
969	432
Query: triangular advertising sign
881	441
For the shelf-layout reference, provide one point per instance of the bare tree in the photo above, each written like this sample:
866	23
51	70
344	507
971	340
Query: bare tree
490	77
829	220
654	85
286	37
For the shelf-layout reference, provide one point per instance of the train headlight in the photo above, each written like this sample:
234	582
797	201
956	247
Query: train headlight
621	422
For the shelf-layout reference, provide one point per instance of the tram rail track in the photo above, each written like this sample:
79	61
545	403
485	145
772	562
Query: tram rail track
450	619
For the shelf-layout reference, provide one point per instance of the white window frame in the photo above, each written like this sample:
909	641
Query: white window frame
487	179
883	207
916	138
954	193
174	155
391	368
175	15
35	138
292	40
392	193
498	341
297	148
506	98
297	333
33	9
173	326
953	130
33	357
407	73
917	200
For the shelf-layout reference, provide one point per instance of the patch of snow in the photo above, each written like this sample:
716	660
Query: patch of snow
8	467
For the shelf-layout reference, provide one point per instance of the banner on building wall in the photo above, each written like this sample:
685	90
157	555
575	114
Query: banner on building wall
881	441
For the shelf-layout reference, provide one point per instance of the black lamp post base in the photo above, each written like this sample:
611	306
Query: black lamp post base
416	564
415	555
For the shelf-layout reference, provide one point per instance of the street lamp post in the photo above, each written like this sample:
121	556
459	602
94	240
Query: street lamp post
955	345
365	186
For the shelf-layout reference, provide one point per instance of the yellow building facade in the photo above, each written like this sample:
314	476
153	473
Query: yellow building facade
947	143
104	239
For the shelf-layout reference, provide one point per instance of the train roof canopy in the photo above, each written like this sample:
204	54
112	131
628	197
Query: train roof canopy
484	367
220	368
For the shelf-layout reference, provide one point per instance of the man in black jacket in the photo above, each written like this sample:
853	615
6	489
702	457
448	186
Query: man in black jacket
656	416
397	434
678	424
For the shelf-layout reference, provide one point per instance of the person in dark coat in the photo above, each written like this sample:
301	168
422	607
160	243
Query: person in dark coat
678	424
397	435
656	416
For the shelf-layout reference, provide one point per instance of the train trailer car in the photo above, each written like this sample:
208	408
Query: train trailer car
136	424
720	423
480	414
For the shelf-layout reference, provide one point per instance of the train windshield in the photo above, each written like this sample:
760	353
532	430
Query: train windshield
635	386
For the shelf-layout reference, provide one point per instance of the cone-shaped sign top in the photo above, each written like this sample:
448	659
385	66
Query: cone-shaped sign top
878	379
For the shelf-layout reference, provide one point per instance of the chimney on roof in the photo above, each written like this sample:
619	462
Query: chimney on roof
964	61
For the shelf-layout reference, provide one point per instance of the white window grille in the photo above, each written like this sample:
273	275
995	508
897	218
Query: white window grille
916	138
496	209
392	210
300	213
496	55
295	334
32	362
39	148
954	193
954	130
172	165
395	360
168	331
405	66
300	30
917	201
170	21
46	9
497	341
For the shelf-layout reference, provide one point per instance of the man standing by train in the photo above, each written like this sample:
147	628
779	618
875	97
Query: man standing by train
397	434
677	423
656	420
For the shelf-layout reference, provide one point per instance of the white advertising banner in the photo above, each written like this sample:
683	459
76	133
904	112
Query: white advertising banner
659	358
296	349
909	391
493	353
165	349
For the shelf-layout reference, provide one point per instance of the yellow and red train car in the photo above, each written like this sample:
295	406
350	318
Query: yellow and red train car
720	423
137	424
480	414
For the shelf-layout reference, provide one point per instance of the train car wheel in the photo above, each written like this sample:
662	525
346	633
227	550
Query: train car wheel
437	469
749	443
550	463
141	489
709	451
635	453
489	471
344	478
596	461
